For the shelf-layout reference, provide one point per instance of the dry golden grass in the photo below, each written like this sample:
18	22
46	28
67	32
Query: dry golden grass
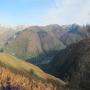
7	78
25	76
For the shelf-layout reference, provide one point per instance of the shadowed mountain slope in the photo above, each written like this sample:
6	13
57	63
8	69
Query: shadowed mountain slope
73	64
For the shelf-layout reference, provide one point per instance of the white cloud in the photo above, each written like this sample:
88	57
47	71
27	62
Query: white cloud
68	12
61	12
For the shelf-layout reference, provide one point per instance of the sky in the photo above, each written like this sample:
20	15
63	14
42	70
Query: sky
44	12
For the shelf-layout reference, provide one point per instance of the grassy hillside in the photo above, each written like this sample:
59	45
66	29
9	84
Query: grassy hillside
13	66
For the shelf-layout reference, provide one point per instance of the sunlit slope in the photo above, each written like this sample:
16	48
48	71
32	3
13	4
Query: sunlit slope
25	68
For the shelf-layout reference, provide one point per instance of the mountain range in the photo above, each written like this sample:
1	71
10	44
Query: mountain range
62	52
39	44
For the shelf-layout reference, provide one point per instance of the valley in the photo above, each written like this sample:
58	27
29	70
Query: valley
51	57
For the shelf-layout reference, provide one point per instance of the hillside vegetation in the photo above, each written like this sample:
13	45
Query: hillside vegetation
73	65
15	73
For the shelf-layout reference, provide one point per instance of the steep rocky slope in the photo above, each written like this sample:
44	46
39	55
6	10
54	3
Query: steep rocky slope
5	34
8	31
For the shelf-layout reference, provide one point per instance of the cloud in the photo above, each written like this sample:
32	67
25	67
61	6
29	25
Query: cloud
50	12
68	12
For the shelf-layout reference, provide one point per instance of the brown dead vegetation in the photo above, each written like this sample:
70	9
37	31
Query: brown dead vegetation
20	82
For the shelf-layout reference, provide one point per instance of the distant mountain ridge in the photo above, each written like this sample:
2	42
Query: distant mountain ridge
62	51
39	44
